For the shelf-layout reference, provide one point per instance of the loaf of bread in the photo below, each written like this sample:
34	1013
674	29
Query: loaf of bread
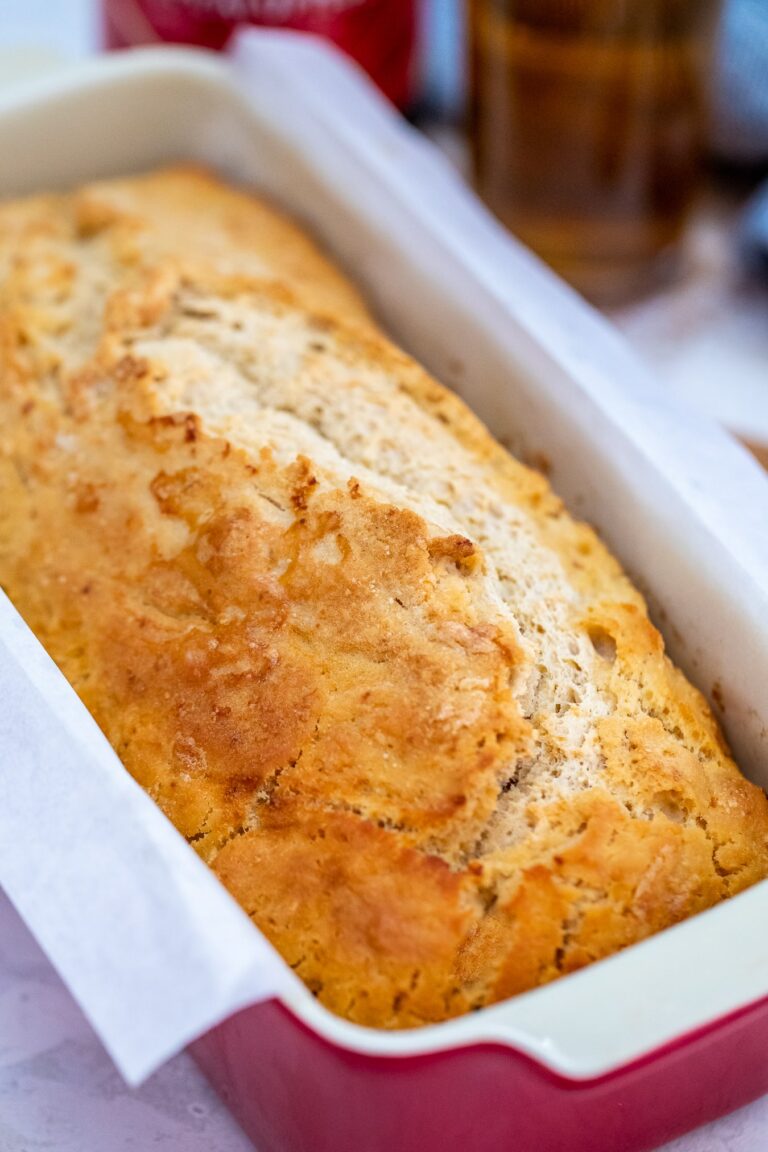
411	713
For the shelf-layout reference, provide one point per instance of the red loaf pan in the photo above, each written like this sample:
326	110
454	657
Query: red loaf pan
293	1090
673	1032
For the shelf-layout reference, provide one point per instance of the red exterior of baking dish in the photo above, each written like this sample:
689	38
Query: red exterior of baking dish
294	1091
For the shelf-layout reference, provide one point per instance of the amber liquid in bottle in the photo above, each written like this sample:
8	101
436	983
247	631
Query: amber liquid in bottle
587	121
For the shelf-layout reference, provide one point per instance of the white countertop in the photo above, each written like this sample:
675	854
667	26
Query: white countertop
708	337
60	1092
707	333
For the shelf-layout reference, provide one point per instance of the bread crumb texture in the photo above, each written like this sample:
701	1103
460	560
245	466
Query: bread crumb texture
411	713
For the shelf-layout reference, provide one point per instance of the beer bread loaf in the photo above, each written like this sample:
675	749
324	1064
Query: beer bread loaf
410	712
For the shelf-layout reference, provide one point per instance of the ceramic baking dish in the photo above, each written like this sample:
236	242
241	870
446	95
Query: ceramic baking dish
673	1032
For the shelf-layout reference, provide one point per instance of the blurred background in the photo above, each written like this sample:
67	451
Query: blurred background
625	141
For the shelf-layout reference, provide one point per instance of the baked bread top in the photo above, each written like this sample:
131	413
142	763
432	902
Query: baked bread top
412	714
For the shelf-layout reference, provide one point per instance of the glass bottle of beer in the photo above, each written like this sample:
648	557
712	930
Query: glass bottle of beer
587	126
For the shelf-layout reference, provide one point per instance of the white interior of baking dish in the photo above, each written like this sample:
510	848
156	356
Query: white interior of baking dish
683	506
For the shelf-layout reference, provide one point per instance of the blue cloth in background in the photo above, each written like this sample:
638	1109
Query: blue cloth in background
740	94
754	232
443	78
740	122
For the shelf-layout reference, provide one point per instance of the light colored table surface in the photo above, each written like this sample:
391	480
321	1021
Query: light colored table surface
707	333
59	1091
708	338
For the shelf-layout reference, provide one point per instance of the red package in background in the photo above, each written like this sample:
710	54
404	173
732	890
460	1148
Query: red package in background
379	34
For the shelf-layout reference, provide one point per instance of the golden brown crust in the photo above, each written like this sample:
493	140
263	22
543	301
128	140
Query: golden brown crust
373	925
413	715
